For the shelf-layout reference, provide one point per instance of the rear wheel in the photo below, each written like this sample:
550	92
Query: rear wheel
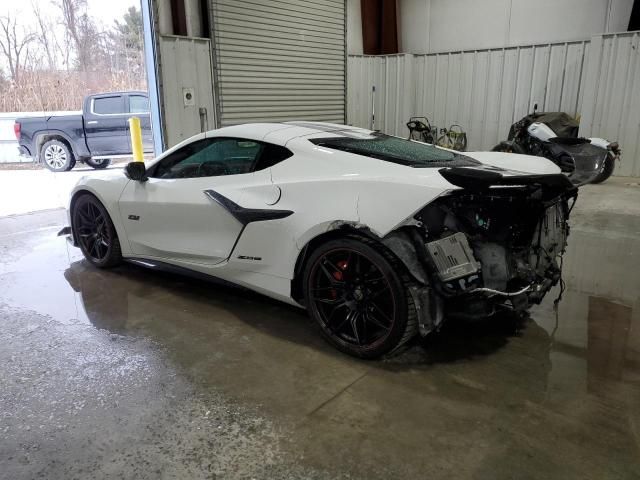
607	171
358	298
95	233
57	156
98	163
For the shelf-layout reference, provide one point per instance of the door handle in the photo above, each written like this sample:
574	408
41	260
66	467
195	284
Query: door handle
92	122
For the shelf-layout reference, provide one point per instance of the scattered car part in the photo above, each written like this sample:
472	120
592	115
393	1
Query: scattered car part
554	135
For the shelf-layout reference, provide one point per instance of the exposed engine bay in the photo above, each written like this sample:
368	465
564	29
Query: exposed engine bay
500	247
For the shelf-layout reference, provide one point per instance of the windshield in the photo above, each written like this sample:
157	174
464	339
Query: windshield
392	149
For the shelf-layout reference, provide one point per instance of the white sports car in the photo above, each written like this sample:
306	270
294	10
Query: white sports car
378	237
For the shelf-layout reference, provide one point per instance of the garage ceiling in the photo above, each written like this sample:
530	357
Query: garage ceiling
279	60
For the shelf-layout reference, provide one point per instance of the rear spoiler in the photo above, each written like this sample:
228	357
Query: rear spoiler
476	179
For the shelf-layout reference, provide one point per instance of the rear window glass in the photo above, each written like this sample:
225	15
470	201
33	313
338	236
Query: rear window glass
391	149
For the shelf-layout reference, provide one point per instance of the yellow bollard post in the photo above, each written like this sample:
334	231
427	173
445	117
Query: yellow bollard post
136	139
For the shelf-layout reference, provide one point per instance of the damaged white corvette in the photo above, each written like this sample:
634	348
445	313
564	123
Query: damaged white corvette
380	238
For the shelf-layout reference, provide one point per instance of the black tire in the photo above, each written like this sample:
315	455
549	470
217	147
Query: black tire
95	233
98	163
607	171
358	295
509	147
57	156
70	167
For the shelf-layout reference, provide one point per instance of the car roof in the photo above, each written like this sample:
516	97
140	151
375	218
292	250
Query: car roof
282	133
120	92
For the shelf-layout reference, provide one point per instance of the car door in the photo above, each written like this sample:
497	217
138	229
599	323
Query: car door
105	123
173	215
138	106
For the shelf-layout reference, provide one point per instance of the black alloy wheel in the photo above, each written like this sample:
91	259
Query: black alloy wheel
95	233
357	299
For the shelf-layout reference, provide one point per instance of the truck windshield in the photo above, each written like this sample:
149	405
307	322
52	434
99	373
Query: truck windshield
390	149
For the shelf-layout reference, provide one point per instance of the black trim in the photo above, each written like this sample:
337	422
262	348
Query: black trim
65	231
480	179
246	215
175	269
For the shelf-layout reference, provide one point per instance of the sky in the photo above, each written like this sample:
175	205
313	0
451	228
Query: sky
109	10
104	10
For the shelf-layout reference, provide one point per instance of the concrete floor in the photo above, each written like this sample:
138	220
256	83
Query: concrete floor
135	374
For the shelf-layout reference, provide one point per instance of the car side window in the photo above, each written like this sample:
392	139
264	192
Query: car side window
271	155
108	105
209	157
138	104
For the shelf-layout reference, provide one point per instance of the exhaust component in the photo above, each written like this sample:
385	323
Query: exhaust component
498	292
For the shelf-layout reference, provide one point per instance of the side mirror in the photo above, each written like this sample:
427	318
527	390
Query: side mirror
136	171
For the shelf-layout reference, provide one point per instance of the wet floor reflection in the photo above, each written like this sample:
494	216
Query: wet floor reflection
556	393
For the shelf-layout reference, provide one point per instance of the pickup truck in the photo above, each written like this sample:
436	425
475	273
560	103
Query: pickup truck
93	136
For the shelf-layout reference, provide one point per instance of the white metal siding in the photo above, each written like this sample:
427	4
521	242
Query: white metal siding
279	60
484	91
611	105
186	64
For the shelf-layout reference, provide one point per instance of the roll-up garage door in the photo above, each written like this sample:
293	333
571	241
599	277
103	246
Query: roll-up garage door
279	60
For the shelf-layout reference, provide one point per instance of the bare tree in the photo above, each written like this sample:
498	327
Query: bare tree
82	32
14	43
46	36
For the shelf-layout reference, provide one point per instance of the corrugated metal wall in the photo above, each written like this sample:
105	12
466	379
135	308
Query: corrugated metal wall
279	60
611	105
485	91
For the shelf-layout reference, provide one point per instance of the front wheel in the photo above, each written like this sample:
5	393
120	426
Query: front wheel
356	295
98	163
607	171
95	233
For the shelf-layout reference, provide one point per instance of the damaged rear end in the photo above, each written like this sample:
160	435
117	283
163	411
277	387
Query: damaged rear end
496	243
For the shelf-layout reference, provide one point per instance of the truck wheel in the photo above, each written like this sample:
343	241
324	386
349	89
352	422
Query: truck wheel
57	156
71	165
98	163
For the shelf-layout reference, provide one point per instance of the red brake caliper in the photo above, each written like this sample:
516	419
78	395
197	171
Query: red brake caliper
342	265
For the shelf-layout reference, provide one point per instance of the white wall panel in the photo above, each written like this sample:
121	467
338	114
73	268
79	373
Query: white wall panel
484	91
354	28
464	24
186	64
611	102
430	26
